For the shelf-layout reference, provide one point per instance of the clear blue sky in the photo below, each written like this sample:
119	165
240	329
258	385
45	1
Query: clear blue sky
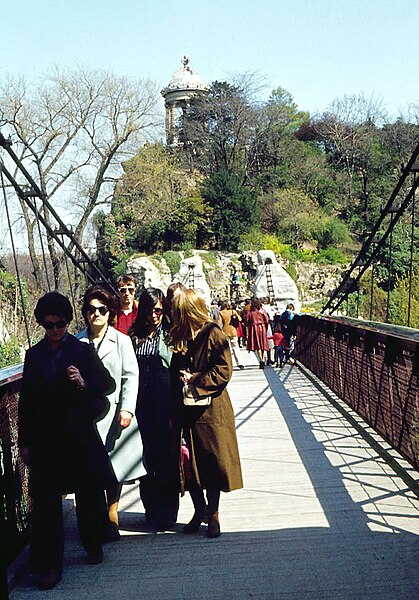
317	50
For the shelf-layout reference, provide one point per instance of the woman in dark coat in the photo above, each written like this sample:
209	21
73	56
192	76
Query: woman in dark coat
209	431
159	488
257	322
63	393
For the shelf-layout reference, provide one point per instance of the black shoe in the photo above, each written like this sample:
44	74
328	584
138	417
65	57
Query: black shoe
95	557
111	534
261	365
49	579
195	523
165	525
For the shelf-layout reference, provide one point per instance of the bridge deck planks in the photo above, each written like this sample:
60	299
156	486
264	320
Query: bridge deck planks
322	516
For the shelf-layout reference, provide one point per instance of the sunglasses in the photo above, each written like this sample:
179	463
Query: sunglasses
157	311
124	290
48	325
92	310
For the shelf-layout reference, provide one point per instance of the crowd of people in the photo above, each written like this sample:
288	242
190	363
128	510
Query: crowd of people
260	328
139	395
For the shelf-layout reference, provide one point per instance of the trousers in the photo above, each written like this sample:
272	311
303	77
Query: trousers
47	531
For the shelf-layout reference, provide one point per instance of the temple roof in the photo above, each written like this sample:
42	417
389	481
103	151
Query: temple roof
184	78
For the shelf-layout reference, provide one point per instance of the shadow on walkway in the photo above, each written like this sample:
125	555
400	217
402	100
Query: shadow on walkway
321	517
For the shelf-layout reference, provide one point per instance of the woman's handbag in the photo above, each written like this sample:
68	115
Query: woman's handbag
234	320
192	398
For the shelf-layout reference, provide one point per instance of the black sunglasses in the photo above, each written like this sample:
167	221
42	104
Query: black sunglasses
92	309
54	325
157	311
124	290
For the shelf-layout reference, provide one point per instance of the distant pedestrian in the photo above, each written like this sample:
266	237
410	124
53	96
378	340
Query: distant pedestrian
257	322
288	324
229	319
280	345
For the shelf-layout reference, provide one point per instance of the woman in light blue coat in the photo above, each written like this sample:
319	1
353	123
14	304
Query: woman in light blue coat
118	428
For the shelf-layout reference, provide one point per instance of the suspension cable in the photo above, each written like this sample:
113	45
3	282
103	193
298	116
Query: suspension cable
412	250
44	258
362	260
73	299
22	300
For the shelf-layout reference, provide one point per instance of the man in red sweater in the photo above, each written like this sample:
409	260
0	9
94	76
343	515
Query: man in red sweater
128	306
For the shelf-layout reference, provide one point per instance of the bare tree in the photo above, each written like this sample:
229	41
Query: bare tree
346	128
72	130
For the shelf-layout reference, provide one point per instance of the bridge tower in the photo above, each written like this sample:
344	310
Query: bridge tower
184	85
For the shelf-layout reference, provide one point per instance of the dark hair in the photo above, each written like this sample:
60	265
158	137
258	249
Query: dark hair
290	306
173	287
55	304
141	327
226	305
99	293
256	304
125	279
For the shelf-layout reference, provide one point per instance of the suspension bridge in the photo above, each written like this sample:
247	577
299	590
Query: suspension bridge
330	453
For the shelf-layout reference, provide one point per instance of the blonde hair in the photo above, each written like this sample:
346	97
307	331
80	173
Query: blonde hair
189	313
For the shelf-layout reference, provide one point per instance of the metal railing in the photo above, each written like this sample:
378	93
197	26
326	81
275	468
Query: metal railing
374	370
15	502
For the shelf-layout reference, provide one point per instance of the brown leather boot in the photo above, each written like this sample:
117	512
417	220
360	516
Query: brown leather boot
213	526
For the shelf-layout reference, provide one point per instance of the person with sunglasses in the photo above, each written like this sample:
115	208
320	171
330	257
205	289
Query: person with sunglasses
159	488
63	393
128	306
118	428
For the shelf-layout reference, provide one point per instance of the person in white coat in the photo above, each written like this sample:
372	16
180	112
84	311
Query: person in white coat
118	428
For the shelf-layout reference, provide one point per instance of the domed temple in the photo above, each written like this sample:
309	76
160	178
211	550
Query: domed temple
184	85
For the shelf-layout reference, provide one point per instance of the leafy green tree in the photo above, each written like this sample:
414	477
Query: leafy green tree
10	353
216	130
399	307
332	232
234	208
277	122
156	206
290	214
393	261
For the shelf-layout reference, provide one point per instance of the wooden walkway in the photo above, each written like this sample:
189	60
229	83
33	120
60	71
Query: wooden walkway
322	516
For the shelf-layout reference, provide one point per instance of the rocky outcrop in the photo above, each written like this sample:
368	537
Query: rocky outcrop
191	274
272	280
4	334
316	282
150	272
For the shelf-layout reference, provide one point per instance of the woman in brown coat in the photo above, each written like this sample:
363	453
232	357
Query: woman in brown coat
209	431
228	320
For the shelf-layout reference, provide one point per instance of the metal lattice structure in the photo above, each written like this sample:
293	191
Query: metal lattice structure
402	197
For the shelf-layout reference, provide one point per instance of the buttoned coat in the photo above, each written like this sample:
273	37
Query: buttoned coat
57	421
124	446
211	430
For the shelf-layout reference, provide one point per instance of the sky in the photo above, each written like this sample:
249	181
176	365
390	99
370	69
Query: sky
318	50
